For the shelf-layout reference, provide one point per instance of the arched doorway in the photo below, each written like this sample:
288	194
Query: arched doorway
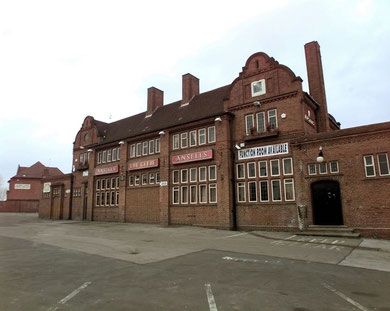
327	208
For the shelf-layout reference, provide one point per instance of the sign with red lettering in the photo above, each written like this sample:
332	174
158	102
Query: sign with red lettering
192	157
107	170
142	165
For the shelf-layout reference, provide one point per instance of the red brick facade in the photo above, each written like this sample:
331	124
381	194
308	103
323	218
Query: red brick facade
242	156
25	188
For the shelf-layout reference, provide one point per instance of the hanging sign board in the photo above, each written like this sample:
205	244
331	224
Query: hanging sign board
263	151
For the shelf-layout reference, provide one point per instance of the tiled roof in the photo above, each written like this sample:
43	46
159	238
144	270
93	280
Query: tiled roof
37	170
202	106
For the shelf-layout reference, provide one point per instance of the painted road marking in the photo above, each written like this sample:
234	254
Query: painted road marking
70	296
240	259
290	237
231	236
311	243
346	298
210	298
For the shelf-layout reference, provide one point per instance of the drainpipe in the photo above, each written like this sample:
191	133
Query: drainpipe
71	195
233	177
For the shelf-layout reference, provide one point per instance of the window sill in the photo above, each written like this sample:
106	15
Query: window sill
376	178
257	135
195	205
323	175
262	204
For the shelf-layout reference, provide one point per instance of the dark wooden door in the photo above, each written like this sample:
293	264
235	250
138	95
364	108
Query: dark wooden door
327	203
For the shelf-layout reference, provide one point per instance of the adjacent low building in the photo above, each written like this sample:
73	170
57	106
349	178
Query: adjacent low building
25	188
259	153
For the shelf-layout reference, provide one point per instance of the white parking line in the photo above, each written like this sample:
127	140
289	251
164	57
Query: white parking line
231	236
210	298
240	259
70	296
346	298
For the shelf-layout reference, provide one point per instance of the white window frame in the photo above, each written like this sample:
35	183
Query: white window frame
136	180
193	169
272	190
113	157
132	151
266	169
289	181
200	193
248	169
118	154
247	128
97	184
157	145
184	192
104	158
131	180
182	174
202	137
112	198
117	198
323	164
97	199
275	116
263	89
270	164
249	192
315	169
139	150
193	137
205	173
175	189
243	170
330	167
213	186
196	194
242	186
99	157
108	155
371	165
175	172
144	180
208	134
145	148
284	169
257	122
184	140
151	178
387	164
215	169
175	142
266	182
151	146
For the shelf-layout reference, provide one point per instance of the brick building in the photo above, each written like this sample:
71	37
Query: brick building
259	153
25	188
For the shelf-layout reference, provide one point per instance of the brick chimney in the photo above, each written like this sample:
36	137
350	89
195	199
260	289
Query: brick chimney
316	83
155	100
190	88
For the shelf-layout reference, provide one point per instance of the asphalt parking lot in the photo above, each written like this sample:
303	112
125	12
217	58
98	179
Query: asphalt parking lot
51	265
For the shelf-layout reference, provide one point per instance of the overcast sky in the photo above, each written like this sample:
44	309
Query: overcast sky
63	60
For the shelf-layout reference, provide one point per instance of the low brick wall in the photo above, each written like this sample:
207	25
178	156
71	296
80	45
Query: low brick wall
19	206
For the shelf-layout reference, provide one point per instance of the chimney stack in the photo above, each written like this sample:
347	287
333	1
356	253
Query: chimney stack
190	88
316	83
155	100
